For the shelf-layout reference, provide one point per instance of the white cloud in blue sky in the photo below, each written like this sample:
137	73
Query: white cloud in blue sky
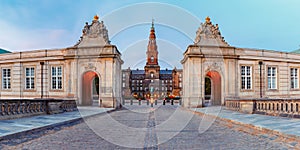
48	24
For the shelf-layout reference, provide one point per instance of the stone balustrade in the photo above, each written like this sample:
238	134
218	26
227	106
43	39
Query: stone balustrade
16	108
274	107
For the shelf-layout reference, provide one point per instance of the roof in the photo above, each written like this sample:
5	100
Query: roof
3	51
165	71
138	72
296	51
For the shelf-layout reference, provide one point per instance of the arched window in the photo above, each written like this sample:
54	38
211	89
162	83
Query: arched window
151	75
152	59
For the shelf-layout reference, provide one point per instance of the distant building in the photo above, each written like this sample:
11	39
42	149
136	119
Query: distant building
163	83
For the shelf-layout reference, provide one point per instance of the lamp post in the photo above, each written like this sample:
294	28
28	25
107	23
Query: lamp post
42	83
260	77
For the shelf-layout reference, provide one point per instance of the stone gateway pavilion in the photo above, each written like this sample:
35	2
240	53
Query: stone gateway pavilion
213	73
68	73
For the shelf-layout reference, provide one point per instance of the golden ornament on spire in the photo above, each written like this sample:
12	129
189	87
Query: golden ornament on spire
207	19
96	17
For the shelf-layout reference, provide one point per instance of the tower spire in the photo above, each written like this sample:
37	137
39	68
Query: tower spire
152	23
152	31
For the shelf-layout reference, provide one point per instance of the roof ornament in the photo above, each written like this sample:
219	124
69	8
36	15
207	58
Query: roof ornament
94	33
96	17
209	34
207	19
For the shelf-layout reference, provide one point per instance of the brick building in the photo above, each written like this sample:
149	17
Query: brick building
163	82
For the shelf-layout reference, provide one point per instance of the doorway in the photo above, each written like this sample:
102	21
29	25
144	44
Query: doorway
213	89
90	89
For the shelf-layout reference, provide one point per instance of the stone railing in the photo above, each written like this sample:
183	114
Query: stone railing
280	107
16	108
233	105
274	107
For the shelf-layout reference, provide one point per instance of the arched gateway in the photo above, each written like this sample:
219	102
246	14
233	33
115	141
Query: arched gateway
97	67
90	92
215	94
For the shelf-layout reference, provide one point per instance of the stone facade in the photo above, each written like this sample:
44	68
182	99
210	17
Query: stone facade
236	73
66	73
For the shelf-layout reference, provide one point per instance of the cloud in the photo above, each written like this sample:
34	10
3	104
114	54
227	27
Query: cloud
17	39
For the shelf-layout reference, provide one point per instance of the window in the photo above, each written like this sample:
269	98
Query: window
123	84
151	81
56	77
141	88
246	75
152	59
272	84
151	74
294	78
162	88
141	81
132	88
6	78
29	78
180	84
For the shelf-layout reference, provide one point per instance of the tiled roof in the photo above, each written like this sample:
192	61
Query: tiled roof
138	72
3	51
165	71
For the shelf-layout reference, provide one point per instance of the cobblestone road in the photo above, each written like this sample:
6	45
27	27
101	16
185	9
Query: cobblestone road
141	127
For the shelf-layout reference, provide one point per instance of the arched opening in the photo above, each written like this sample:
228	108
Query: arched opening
207	92
215	88
90	89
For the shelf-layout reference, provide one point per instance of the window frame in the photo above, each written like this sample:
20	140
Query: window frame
56	76
274	77
31	78
8	86
246	76
294	78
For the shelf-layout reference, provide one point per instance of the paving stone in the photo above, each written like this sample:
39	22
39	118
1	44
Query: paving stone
82	136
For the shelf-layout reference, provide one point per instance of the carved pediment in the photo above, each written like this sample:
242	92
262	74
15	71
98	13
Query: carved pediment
209	34
94	34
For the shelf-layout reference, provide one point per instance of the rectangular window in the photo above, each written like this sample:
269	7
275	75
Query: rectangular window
246	77
29	78
123	84
56	77
6	78
294	78
272	84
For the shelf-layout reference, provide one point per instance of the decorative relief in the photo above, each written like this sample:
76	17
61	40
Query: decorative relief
209	31
95	30
214	66
90	66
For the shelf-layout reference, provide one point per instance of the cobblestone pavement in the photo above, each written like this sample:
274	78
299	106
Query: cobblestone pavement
142	127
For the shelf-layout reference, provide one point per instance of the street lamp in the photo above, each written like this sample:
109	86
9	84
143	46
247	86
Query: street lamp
260	77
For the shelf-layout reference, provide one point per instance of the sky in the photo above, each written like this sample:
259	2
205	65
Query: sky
50	24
